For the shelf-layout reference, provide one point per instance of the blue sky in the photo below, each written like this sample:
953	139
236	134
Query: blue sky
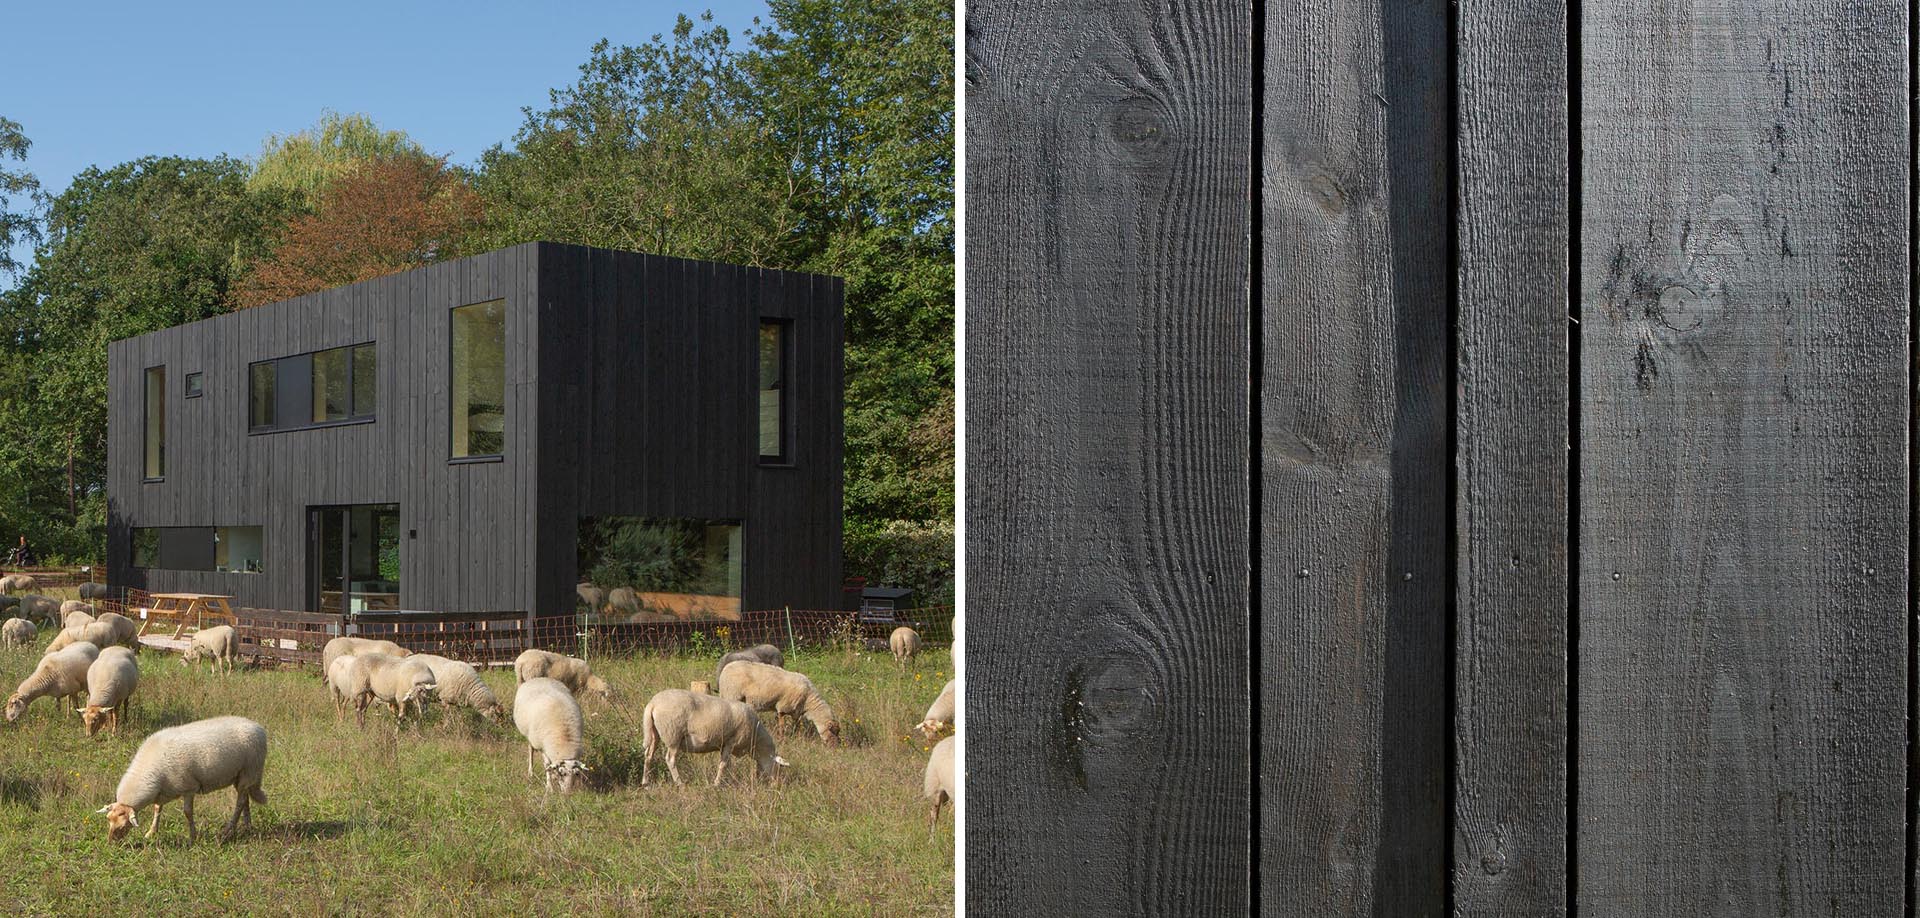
102	83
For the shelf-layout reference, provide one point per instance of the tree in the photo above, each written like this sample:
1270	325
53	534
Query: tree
305	162
378	217
14	184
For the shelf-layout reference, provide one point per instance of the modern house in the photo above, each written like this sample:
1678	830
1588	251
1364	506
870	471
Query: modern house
479	435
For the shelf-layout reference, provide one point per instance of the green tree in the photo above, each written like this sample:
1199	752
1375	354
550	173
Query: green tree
15	184
141	246
305	162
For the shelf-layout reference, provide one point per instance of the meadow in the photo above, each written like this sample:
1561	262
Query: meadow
443	818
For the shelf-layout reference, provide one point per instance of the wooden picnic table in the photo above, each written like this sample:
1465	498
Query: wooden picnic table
182	608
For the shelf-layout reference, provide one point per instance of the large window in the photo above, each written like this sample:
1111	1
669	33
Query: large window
230	549
156	426
146	547
773	391
687	569
239	549
480	379
334	386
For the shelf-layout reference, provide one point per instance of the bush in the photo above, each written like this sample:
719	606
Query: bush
905	553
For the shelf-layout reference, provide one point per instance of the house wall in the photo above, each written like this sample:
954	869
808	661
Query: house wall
651	409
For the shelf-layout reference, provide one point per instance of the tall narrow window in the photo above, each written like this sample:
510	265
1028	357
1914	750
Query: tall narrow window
479	387
260	379
364	391
773	391
332	385
156	458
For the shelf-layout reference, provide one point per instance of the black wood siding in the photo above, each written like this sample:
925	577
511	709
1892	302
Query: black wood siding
650	394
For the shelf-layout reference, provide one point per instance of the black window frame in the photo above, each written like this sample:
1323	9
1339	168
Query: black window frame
149	390
468	458
297	369
195	386
784	458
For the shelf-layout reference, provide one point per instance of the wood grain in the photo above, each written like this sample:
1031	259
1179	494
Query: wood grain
1353	484
1743	535
1510	513
1109	206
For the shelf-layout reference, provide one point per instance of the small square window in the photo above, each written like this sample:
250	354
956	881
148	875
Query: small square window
193	385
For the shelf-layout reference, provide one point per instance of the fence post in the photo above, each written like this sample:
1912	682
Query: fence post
792	647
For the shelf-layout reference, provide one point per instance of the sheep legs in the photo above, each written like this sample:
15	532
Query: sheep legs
242	810
718	773
673	765
153	823
933	818
186	806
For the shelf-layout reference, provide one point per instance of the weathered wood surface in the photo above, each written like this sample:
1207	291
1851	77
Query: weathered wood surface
1511	462
1110	197
1743	532
1353	436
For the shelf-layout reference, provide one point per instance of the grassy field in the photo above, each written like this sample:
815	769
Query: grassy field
444	820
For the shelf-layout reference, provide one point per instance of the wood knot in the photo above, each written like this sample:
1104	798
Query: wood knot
1140	125
1118	700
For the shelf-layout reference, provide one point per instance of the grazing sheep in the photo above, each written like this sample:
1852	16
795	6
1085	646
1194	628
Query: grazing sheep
624	601
770	688
126	631
346	683
17	632
107	631
110	684
8	602
181	762
66	638
395	680
904	642
60	675
75	618
691	722
758	653
17	583
545	713
221	644
349	646
41	608
572	672
93	591
594	597
75	605
938	785
458	684
941	715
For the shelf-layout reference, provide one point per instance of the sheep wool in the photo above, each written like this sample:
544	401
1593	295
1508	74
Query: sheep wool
221	644
938	784
110	684
126	631
684	721
545	712
59	675
770	688
179	763
17	633
458	684
572	672
349	646
941	714
395	680
759	653
905	643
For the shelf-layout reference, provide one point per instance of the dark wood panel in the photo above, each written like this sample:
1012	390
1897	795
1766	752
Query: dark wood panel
1109	185
1353	487
1510	684
1743	533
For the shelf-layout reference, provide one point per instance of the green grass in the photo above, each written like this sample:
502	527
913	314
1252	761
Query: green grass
445	820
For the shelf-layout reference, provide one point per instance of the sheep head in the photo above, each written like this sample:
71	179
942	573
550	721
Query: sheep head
16	706
93	716
831	733
120	818
599	686
568	773
494	712
933	728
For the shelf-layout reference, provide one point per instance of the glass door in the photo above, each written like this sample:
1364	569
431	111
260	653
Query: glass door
353	558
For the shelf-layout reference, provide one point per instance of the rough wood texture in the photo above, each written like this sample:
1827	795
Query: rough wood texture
1107	621
1510	676
1354	518
1743	483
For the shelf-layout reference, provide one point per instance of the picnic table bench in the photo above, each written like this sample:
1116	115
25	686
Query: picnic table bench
197	609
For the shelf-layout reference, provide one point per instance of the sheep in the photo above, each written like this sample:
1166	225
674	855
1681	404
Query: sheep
8	602
197	758
458	684
126	631
624	601
348	646
938	785
691	722
103	632
93	591
17	583
67	637
594	597
770	688
59	675
572	672
904	642
110	684
346	682
75	618
41	608
940	715
758	653
394	680
221	644
18	632
545	713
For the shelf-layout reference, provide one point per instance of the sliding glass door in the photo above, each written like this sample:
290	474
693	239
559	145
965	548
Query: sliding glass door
353	554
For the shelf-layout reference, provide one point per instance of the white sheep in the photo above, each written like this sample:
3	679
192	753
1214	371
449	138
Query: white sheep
92	591
181	762
545	712
75	612
395	680
60	675
41	608
18	632
691	722
759	653
126	631
346	682
220	644
348	646
572	672
941	714
904	642
786	693
938	784
17	583
458	684
111	681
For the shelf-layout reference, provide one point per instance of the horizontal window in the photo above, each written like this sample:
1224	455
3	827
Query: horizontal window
652	569
174	548
238	549
333	386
